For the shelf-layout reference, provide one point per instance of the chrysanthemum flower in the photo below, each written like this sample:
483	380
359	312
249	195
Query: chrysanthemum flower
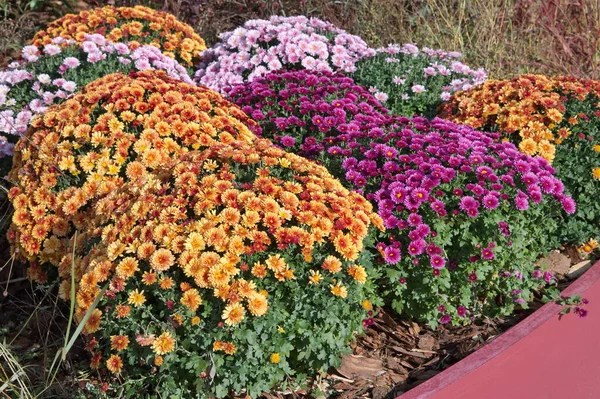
162	259
358	273
163	344
114	364
275	357
257	304
191	299
119	342
93	323
233	314
136	298
339	290
127	267
166	283
122	311
332	264
315	277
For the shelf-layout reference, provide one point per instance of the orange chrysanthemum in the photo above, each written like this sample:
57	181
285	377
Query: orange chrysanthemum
339	290
358	273
119	342
191	299
136	298
233	314
93	323
163	344
258	305
122	311
162	259
332	264
114	364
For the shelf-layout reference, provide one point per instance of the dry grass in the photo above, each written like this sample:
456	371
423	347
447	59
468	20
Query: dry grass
40	357
572	33
491	33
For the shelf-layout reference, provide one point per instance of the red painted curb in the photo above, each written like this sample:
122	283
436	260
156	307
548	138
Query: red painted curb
451	383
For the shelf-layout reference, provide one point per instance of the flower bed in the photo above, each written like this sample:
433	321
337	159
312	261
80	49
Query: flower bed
212	248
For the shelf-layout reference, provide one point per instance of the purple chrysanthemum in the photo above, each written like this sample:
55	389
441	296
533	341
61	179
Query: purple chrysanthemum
487	254
580	312
568	205
490	201
414	219
437	262
392	255
521	203
468	202
288	141
416	247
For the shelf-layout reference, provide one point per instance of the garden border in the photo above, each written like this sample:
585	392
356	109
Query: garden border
503	342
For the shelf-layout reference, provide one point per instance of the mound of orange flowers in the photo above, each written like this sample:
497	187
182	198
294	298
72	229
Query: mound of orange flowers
129	24
114	130
158	191
529	109
194	224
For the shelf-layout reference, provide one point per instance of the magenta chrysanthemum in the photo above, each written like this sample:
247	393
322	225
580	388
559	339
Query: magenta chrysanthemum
437	262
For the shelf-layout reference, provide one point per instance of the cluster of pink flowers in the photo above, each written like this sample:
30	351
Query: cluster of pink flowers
29	87
261	46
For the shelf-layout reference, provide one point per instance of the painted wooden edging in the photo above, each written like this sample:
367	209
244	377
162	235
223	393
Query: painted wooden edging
541	357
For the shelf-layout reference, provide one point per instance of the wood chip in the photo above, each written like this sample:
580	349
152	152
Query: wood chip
423	351
414	328
426	343
578	269
407	364
409	353
360	366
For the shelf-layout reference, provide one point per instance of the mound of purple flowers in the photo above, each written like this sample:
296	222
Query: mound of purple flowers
466	215
262	46
304	111
451	199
